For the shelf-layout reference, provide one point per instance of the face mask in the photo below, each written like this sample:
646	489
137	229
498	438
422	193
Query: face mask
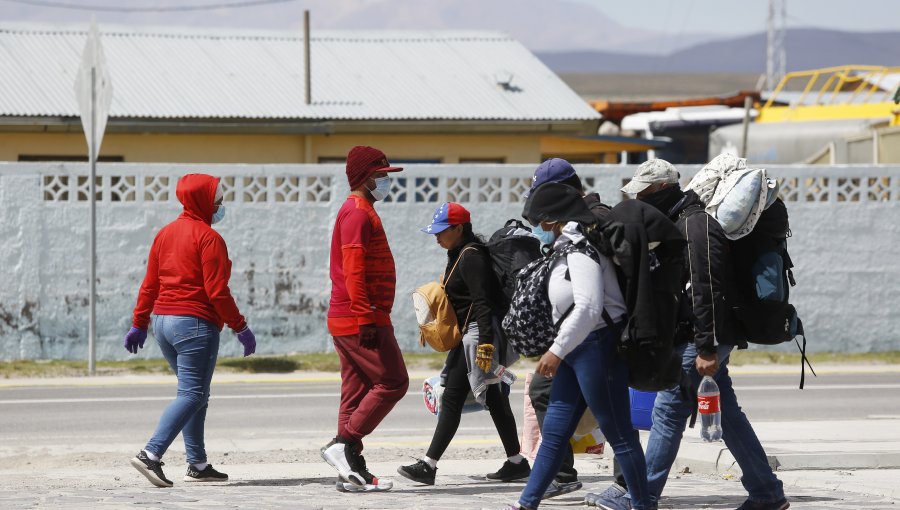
664	199
546	237
382	188
219	214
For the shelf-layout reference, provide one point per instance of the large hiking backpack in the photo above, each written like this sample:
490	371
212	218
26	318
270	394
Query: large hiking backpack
648	252
528	325
744	201
512	247
763	277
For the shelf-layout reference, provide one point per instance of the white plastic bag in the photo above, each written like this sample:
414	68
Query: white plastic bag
739	200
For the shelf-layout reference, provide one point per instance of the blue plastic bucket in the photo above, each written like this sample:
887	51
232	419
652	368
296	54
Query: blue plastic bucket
641	408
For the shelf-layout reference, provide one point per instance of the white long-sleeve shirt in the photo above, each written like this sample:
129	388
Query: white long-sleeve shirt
591	286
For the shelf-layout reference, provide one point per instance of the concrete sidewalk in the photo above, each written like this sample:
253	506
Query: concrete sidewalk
848	444
824	463
460	486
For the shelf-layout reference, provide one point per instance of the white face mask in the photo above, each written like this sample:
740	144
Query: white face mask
382	188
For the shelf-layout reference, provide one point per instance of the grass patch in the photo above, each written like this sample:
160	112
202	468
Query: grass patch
329	362
65	368
260	364
748	357
313	362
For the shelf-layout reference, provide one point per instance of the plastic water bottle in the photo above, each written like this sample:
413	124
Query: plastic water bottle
710	413
504	375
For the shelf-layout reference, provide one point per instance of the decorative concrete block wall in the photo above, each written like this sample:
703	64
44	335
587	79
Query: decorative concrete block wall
845	221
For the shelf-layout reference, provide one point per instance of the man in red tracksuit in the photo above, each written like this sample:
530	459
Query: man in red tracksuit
363	281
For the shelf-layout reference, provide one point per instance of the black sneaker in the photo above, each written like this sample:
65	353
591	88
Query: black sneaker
152	469
419	472
781	504
511	472
558	489
207	474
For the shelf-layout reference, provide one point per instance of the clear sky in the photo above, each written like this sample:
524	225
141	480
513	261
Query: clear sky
743	16
634	26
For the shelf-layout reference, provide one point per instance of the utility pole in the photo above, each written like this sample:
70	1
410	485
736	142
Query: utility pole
306	57
776	55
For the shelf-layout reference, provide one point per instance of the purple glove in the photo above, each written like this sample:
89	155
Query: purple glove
248	340
134	339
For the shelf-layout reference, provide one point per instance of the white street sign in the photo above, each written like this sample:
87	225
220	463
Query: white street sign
93	90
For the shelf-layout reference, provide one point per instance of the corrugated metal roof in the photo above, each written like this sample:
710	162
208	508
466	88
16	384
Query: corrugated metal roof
356	75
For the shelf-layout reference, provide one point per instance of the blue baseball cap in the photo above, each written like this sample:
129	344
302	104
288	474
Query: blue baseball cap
552	170
445	216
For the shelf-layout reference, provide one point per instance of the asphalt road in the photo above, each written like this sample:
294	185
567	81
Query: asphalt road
298	414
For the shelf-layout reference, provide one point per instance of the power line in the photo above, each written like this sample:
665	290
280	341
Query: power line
108	8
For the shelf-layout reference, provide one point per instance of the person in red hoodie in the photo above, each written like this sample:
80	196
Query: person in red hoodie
186	289
363	281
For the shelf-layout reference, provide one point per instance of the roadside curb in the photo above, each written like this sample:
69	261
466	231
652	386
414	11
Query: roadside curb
717	459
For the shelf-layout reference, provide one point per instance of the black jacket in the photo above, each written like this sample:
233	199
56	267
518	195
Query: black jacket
597	207
632	226
711	289
474	284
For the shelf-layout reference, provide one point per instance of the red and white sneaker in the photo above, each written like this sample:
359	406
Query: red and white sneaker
373	483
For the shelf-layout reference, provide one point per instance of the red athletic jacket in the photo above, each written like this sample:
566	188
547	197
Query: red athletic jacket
188	268
363	277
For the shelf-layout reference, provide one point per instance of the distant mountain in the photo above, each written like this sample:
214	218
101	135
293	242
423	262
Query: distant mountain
806	49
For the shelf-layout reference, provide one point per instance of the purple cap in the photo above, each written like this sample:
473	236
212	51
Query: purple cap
552	170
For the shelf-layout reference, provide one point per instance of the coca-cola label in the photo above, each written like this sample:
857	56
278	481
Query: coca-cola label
708	405
597	449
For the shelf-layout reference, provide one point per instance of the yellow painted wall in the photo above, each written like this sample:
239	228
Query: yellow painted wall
240	148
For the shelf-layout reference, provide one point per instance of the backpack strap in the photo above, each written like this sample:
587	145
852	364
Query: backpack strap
445	280
464	250
590	248
804	361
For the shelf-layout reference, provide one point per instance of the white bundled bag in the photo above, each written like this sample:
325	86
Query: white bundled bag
733	194
707	179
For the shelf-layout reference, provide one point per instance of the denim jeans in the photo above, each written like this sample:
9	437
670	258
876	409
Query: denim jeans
191	346
591	376
670	415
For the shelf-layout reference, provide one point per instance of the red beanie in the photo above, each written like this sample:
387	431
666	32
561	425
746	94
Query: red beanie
363	161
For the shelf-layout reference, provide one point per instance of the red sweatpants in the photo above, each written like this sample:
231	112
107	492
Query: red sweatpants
372	382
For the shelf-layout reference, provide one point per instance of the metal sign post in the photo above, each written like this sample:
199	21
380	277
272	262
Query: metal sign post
93	90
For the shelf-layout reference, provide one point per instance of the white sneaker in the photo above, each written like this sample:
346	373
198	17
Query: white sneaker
379	486
339	457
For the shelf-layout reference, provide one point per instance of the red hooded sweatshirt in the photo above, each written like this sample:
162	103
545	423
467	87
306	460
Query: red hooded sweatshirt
188	268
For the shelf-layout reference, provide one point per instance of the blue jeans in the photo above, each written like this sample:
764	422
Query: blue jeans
670	415
191	346
591	376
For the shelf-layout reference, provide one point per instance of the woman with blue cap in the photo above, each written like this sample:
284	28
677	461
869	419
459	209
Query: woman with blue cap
472	288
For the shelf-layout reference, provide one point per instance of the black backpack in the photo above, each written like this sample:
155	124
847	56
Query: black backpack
528	325
652	284
763	277
509	254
